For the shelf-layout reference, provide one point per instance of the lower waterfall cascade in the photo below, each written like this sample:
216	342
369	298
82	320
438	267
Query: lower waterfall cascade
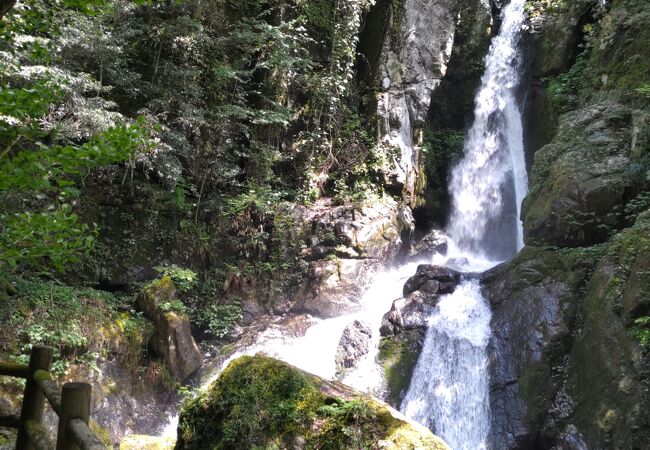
449	388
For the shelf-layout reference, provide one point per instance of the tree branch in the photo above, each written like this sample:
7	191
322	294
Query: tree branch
6	5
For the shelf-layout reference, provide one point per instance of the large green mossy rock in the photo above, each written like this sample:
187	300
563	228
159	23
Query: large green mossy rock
260	402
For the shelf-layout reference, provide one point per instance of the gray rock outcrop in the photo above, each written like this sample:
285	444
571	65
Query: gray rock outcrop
172	339
354	343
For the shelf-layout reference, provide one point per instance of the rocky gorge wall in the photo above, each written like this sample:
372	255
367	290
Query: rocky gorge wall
569	366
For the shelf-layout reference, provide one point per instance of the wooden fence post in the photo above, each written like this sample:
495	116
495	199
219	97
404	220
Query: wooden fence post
75	404
33	398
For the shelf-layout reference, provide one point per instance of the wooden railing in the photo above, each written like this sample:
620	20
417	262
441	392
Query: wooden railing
71	404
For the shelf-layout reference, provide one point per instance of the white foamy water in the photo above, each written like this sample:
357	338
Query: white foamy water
450	385
490	182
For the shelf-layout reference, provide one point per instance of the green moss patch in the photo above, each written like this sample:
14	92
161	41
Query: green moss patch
259	402
398	356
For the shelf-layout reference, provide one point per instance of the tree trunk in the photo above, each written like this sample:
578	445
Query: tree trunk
6	5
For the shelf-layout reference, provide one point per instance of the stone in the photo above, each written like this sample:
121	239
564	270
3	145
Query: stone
354	343
172	339
531	304
431	244
409	312
260	402
347	244
446	280
565	370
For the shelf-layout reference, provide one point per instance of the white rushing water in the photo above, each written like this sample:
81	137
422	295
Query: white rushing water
449	389
489	184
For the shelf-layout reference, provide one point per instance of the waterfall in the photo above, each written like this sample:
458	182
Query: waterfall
488	185
449	390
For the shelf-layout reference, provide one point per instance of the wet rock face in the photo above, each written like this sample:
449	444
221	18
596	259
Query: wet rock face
172	339
431	244
580	181
566	371
354	343
413	60
404	327
529	298
346	244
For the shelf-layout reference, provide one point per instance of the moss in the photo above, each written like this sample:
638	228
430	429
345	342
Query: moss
259	402
141	442
398	356
607	376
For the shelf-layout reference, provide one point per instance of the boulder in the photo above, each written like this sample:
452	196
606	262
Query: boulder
431	244
433	280
172	339
260	402
581	180
354	343
407	313
404	327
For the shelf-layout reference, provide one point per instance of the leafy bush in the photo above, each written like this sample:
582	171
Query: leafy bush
221	319
184	279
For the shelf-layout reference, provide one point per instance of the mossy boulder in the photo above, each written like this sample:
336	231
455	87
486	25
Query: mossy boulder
260	402
398	355
144	442
172	338
608	371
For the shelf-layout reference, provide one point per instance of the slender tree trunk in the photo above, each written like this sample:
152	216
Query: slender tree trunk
6	5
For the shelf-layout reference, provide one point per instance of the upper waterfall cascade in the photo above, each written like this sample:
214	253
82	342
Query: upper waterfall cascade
489	183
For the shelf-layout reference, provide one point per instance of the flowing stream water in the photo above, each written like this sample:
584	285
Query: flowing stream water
449	389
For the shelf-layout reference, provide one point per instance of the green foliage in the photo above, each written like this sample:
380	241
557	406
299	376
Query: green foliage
184	279
641	331
75	321
39	173
636	206
565	89
221	319
175	305
259	402
55	237
441	148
